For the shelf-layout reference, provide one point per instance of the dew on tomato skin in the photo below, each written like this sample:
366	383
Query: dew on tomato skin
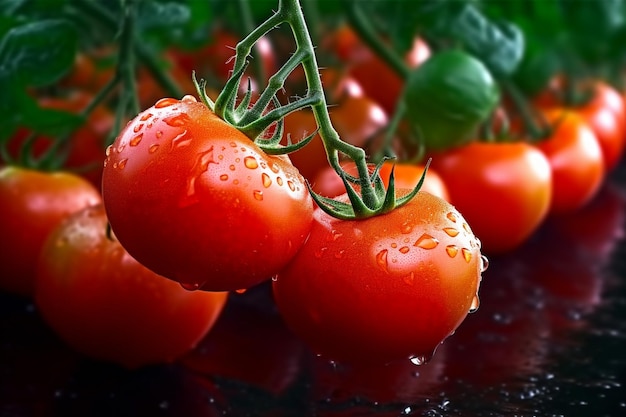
426	241
250	162
274	168
394	245
467	228
419	360
258	195
451	231
381	259
231	167
179	120
108	150
190	286
235	182
137	127
122	163
241	290
153	148
334	235
181	140
452	250
145	117
404	249
120	148
320	252
233	144
484	263
224	177
467	254
159	134
165	102
406	228
409	279
136	140
291	185
188	98
452	217
266	180
475	304
339	255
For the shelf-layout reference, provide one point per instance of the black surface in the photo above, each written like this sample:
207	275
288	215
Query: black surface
548	340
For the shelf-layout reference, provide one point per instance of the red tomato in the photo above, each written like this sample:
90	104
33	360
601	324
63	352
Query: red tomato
91	70
86	144
576	159
605	112
329	184
195	200
106	305
32	204
504	190
386	288
378	80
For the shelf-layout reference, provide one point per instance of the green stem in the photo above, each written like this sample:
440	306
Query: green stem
367	33
521	104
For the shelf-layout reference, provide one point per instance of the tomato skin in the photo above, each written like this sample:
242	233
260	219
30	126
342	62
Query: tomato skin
575	156
32	203
220	213
504	190
329	184
105	304
385	288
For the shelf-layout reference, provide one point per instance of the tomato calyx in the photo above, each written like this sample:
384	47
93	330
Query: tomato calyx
360	208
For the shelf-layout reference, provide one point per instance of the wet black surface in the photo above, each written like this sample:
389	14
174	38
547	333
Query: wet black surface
548	340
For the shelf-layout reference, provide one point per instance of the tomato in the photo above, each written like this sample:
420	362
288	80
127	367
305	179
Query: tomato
575	156
329	184
86	144
448	97
32	203
355	117
370	71
195	200
504	190
386	288
91	71
106	305
605	112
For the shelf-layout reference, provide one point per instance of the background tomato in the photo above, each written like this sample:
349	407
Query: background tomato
220	213
576	159
504	190
386	288
106	305
32	204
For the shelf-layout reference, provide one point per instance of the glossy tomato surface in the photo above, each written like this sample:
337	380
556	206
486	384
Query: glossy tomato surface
387	288
32	204
106	305
196	201
504	190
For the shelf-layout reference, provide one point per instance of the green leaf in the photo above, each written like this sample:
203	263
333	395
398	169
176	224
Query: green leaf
39	53
45	121
152	14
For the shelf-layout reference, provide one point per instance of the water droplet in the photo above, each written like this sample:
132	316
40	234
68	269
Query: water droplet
274	168
120	148
223	177
188	98
291	186
108	150
419	360
404	249
475	304
467	254
452	217
381	259
233	144
451	231
159	134
145	117
181	140
409	279
426	241
106	162
275	278
320	252
138	127
334	235
250	162
190	286
406	228
153	148
258	195
394	245
179	120
452	250
165	102
279	180
241	290
204	159
339	255
266	180
484	263
236	182
231	167
467	228
135	141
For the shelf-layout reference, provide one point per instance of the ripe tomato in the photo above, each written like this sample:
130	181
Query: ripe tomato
91	70
329	184
514	182
605	112
370	71
386	288
195	200
106	305
32	203
86	144
576	159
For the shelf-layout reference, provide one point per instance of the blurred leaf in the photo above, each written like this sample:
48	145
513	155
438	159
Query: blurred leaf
39	53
